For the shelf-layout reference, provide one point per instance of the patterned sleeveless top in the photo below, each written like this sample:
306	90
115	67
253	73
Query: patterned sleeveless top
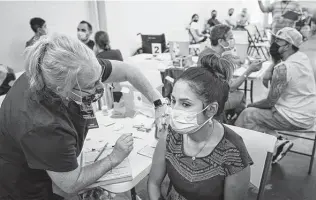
204	178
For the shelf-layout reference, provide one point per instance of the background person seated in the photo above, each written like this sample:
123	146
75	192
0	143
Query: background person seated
38	25
84	31
304	24
243	19
194	31
213	21
103	49
222	41
291	102
202	158
223	67
230	20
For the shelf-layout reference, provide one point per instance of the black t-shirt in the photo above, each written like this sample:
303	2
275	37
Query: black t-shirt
90	44
213	22
38	132
111	55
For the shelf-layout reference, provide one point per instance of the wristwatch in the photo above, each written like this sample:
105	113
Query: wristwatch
160	102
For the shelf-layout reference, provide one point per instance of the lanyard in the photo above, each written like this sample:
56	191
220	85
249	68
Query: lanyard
282	9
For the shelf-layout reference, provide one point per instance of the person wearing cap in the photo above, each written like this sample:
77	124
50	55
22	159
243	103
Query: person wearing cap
291	101
278	9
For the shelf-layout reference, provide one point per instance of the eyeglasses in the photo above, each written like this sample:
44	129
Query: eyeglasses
91	97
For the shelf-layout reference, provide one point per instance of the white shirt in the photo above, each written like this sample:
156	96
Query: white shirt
193	27
298	102
231	20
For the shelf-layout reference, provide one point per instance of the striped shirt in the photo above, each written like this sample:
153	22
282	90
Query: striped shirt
278	9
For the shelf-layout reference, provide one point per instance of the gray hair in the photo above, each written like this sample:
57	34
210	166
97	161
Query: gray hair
58	61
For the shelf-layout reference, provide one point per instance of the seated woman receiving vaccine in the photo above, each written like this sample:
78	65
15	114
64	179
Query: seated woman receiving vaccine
203	159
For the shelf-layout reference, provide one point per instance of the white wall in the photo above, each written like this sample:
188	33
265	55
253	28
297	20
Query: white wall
60	17
127	18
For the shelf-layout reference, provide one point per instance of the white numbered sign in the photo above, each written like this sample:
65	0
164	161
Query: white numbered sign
156	48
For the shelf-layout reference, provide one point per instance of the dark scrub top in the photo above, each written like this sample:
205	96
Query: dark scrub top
90	44
204	178
32	41
38	132
111	55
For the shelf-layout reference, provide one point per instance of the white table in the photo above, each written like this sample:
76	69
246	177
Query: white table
140	164
259	145
253	76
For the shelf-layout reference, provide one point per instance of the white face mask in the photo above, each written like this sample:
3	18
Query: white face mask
231	45
185	122
82	36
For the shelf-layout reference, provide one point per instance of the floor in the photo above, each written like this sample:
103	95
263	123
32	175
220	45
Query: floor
288	180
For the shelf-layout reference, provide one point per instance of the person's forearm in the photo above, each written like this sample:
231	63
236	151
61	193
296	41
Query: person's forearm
238	81
263	104
262	7
197	32
268	75
93	172
153	191
141	83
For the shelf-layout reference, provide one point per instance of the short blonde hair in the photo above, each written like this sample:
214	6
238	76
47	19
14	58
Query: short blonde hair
58	61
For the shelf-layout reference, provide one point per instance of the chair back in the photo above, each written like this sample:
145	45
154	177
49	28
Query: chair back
252	32
241	43
260	147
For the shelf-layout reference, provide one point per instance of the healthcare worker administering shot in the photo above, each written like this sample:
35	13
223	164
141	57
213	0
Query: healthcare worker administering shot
44	119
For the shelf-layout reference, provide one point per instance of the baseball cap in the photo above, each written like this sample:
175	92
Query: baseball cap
291	35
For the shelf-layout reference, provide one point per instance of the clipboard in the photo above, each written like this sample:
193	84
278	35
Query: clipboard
291	15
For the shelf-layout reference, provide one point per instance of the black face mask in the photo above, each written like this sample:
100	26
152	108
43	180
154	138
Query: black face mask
195	20
213	16
274	52
230	14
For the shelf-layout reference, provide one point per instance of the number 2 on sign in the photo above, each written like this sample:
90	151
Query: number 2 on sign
156	48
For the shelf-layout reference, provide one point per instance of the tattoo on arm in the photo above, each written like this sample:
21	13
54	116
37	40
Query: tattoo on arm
278	84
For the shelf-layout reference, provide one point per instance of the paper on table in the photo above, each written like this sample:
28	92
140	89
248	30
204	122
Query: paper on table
121	173
240	71
147	151
107	122
142	120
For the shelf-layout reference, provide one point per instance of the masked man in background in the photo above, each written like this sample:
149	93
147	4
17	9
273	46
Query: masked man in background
84	32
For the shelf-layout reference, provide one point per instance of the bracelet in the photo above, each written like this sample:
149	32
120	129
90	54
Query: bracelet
109	156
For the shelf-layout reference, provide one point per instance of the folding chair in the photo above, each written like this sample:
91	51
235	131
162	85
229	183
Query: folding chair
263	37
260	146
255	44
309	135
147	41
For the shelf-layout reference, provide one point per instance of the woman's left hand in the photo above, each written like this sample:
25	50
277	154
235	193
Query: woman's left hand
161	117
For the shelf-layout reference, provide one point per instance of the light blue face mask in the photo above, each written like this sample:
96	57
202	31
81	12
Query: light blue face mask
90	97
231	45
185	122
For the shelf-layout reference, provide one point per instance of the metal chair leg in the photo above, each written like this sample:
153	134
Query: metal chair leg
251	91
245	88
312	158
133	194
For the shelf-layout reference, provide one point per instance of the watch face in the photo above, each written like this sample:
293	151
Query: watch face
157	103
